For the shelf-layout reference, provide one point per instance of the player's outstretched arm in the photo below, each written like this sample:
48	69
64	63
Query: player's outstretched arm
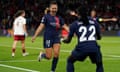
108	19
39	29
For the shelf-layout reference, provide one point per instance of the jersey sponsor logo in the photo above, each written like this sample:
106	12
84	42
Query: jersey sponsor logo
53	24
79	23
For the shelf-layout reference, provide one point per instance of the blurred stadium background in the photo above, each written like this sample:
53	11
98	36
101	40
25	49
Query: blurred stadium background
34	12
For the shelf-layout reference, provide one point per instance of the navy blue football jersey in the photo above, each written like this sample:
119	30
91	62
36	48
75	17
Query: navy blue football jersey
53	25
87	35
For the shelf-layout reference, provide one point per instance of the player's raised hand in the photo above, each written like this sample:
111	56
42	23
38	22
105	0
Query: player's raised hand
72	13
33	39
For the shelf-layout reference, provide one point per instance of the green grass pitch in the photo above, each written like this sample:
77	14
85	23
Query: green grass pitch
110	47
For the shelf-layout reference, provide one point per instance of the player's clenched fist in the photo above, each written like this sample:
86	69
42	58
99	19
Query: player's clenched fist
33	39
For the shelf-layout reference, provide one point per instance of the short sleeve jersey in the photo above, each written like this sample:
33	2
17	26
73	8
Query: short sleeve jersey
18	25
53	25
86	34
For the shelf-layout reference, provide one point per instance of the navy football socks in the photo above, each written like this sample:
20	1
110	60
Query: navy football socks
70	65
99	67
54	64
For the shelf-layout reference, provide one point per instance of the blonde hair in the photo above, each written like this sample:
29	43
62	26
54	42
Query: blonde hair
46	10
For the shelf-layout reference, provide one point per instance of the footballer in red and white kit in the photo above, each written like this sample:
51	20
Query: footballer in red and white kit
19	33
19	29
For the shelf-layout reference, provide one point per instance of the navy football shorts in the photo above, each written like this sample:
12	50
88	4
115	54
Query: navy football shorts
48	43
95	56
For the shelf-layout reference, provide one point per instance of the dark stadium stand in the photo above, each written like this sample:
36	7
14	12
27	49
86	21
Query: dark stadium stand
35	10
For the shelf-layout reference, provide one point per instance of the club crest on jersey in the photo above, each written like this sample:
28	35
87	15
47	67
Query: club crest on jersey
91	22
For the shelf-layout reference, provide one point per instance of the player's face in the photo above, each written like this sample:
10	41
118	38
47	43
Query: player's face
53	8
93	13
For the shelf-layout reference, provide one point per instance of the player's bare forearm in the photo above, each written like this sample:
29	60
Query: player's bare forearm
25	30
39	29
108	19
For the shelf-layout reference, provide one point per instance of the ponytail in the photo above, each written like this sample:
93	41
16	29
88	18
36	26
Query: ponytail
46	11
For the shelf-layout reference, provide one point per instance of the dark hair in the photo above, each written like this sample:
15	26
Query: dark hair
82	11
52	3
18	13
93	9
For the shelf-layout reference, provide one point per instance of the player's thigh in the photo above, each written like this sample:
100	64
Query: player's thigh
56	49
79	55
23	41
15	42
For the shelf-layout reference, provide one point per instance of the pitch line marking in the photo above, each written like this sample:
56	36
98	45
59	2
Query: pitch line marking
36	48
114	56
100	42
21	61
18	68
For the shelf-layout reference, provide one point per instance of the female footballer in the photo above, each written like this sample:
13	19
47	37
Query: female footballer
52	24
19	29
87	31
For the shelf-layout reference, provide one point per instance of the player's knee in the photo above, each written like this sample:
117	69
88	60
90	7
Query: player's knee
56	54
99	64
71	59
